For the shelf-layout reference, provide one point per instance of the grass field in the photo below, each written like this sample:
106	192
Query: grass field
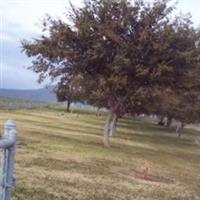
61	157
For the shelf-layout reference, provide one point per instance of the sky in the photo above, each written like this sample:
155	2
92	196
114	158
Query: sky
21	19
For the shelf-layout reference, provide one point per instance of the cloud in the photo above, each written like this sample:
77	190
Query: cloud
29	13
21	19
18	77
192	7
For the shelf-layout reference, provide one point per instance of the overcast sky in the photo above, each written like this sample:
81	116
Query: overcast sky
21	19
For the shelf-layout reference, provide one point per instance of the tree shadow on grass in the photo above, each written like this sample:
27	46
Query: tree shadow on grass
153	139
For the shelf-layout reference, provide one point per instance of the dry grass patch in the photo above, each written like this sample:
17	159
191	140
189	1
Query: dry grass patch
61	157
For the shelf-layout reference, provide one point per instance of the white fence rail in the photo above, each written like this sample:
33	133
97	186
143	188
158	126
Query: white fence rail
8	148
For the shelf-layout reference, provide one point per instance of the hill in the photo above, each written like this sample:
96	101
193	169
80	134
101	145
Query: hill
7	103
44	94
61	156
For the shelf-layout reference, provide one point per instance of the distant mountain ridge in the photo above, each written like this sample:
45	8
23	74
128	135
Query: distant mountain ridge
43	94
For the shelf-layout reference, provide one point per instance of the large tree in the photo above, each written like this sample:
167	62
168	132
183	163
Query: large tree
121	52
182	101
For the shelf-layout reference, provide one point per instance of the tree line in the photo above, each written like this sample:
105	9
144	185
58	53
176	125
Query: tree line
130	57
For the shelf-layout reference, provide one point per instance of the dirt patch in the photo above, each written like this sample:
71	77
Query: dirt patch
140	175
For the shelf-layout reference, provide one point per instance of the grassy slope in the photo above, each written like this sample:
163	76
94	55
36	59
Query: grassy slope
61	157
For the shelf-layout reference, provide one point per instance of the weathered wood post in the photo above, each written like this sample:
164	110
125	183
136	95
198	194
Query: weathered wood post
8	144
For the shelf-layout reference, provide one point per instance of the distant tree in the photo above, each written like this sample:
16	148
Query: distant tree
63	95
121	52
69	91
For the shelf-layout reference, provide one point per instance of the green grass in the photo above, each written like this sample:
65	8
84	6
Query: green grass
61	157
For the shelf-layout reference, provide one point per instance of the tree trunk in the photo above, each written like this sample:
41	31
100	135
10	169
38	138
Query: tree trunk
98	112
180	130
179	134
68	106
107	128
161	122
183	125
113	126
169	122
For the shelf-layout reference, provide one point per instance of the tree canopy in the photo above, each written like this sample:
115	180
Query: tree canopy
122	55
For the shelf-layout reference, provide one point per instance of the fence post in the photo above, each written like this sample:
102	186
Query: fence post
10	133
